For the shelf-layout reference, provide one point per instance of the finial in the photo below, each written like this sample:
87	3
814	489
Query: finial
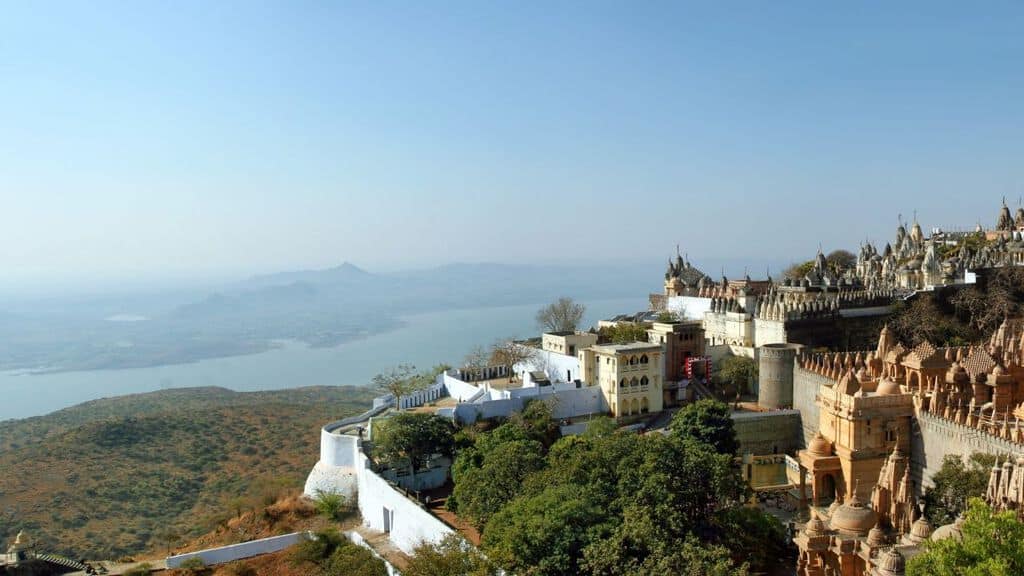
677	249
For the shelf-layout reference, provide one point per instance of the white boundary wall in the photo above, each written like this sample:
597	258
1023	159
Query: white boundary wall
385	509
234	552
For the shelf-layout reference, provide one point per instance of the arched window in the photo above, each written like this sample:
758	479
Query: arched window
643	381
643	359
634	382
622	383
632	360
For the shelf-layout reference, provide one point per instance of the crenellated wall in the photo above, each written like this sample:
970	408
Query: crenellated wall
935	438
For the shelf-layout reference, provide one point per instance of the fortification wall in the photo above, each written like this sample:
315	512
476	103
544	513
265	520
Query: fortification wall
774	432
775	375
806	386
935	438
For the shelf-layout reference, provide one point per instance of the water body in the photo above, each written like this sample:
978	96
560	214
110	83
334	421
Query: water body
425	340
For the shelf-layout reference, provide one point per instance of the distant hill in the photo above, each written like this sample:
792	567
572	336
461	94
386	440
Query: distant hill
117	476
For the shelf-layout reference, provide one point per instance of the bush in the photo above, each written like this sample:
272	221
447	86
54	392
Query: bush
194	565
332	505
143	569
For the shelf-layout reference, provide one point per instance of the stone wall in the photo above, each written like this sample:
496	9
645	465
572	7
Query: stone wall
806	385
774	432
775	375
935	438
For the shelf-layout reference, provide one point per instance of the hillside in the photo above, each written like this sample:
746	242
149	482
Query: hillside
120	476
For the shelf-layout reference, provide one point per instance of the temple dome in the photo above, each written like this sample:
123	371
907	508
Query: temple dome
819	446
887	387
949	531
891	563
920	530
854	518
877	537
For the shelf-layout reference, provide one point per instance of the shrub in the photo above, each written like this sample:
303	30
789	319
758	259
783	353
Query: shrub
332	505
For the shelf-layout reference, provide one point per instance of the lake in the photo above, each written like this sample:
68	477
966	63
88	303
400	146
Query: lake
425	340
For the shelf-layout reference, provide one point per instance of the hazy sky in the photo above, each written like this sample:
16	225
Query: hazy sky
163	139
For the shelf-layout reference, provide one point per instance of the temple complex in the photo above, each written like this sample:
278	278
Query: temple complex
915	262
881	414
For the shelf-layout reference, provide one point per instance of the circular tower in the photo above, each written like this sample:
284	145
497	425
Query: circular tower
775	375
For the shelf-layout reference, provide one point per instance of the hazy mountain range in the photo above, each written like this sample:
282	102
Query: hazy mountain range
319	307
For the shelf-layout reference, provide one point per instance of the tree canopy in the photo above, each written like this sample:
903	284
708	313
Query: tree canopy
453	556
954	484
707	421
992	545
614	503
413	436
737	373
562	315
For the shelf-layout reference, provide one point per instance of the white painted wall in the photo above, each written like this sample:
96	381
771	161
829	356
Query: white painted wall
558	367
238	551
458	389
410	524
688	307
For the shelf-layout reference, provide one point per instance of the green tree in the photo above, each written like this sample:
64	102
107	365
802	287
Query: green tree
544	535
624	333
707	421
840	260
797	271
562	315
482	491
453	556
954	484
992	545
412	436
739	372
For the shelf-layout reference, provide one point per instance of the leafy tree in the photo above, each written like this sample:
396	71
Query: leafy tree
739	372
624	333
482	491
453	556
954	484
601	426
544	535
839	260
992	545
413	436
666	316
707	421
563	315
797	271
759	539
535	420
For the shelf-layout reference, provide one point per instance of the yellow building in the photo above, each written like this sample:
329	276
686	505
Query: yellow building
630	376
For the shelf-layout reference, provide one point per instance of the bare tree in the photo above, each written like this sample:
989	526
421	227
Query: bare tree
399	381
477	359
563	315
509	353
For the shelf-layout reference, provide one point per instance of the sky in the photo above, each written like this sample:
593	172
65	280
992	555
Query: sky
208	139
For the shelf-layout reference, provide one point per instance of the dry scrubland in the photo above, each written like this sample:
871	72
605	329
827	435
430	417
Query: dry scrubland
123	476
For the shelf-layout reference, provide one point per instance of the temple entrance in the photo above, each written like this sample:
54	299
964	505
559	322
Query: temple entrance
828	488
